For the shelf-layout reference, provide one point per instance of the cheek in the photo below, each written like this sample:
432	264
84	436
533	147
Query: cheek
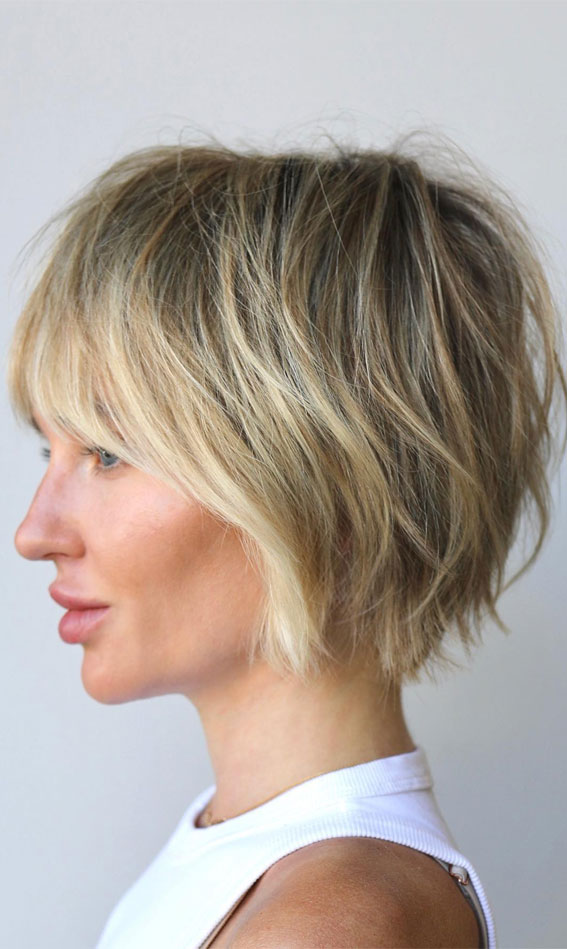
187	600
181	571
147	544
203	587
159	564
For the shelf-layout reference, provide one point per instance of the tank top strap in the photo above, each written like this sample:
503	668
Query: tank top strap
463	880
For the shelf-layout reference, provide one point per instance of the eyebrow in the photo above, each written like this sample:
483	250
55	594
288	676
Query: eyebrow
36	426
104	410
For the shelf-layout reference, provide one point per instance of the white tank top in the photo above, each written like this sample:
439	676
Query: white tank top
201	874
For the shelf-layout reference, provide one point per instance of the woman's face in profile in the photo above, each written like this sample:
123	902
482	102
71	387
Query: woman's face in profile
182	594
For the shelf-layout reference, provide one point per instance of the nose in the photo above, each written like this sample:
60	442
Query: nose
47	530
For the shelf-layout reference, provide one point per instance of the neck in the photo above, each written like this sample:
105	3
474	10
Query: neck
266	733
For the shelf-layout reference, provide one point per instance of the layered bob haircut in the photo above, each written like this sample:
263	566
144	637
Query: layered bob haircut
348	355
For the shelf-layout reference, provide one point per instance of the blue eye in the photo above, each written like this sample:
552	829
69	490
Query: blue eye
46	453
102	453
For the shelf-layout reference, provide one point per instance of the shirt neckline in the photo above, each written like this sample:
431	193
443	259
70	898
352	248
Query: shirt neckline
408	771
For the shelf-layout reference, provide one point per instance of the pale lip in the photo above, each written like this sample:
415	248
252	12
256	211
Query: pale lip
73	602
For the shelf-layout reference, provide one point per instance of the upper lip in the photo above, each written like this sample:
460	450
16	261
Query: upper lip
73	602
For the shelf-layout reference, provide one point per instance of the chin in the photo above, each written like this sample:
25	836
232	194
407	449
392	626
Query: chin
107	686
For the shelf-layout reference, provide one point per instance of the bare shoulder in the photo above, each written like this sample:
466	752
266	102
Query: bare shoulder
358	891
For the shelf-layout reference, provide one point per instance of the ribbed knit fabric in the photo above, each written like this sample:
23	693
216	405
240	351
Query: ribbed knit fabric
201	872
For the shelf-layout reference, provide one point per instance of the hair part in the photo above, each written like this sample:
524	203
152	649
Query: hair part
337	353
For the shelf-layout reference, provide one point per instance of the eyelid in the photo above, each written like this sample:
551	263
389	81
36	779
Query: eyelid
45	452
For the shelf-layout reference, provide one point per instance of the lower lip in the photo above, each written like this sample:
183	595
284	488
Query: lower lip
76	625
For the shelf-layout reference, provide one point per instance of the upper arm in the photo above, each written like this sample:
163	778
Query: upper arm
315	919
359	902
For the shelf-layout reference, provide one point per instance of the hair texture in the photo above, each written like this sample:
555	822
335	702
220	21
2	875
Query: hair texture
348	355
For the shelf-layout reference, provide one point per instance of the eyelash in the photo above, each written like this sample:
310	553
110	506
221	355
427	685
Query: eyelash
46	453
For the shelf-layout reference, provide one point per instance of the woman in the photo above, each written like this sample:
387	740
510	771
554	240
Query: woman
315	378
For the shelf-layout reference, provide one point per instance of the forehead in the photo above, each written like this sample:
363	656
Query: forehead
39	424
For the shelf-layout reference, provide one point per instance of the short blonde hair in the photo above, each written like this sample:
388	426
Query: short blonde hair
337	353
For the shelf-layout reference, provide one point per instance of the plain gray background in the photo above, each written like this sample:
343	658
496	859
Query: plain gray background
89	793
